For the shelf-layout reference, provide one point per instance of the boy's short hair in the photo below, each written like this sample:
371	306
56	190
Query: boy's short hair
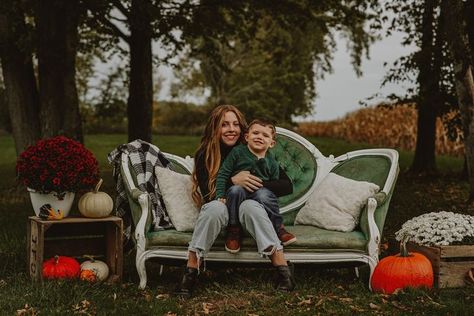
264	122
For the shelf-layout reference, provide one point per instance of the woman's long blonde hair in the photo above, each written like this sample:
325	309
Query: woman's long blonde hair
210	145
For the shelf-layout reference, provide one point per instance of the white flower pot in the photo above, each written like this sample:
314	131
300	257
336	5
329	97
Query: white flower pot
40	199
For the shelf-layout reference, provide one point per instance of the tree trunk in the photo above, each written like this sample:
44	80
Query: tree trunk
428	79
469	14
140	100
18	74
463	68
57	29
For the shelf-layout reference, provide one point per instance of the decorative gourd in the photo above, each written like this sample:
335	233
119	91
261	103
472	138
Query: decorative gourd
402	270
48	213
96	204
61	267
88	275
99	268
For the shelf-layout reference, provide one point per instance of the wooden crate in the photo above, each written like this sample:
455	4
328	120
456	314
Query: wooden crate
450	263
75	237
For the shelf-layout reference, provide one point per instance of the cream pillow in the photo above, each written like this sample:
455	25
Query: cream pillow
176	192
336	203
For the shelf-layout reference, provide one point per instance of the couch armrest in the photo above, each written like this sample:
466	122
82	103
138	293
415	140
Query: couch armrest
143	200
368	224
381	198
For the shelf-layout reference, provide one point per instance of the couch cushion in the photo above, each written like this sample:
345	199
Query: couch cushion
309	239
336	203
176	191
299	164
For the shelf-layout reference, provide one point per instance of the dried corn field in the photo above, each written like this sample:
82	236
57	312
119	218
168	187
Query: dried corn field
383	126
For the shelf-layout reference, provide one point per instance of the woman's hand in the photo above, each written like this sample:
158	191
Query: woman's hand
248	181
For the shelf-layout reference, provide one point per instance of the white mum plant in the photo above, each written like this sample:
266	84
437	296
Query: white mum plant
437	229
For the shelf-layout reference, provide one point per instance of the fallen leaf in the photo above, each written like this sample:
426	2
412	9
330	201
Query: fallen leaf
346	299
356	308
171	314
374	306
398	305
320	302
207	307
162	296
397	291
303	302
26	310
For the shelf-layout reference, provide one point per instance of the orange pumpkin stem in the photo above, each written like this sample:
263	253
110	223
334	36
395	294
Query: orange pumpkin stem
403	249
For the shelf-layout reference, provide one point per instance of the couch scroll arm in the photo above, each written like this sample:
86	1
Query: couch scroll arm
140	231
369	226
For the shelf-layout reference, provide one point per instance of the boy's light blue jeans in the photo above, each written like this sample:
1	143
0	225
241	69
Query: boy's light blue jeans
214	217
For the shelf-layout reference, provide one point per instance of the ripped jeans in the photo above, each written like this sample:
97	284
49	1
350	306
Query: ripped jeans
214	218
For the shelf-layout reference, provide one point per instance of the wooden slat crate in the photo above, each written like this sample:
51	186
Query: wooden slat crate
75	237
450	263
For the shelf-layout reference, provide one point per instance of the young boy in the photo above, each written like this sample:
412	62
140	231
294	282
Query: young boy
253	157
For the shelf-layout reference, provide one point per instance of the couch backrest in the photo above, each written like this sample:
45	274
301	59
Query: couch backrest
371	168
296	156
298	163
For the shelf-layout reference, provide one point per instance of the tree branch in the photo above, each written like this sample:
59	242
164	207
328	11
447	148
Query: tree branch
118	4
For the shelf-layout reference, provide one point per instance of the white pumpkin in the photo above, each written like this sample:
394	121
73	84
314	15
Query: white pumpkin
96	204
100	268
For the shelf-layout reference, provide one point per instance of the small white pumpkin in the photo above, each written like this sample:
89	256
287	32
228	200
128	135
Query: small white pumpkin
100	268
96	204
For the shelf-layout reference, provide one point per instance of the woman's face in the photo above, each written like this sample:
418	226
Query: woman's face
230	129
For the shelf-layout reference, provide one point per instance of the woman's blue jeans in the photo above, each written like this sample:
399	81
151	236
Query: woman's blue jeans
236	195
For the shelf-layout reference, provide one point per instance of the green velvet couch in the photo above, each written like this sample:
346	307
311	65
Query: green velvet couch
306	166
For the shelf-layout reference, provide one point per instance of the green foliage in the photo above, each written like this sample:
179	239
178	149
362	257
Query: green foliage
434	59
178	118
268	64
107	111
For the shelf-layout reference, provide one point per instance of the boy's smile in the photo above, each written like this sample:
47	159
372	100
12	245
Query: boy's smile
259	139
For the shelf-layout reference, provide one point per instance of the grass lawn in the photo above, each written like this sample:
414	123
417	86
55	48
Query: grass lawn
224	290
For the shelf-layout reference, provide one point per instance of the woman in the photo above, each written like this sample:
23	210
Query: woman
224	130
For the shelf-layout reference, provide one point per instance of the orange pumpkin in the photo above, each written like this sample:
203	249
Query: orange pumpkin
88	275
402	270
61	267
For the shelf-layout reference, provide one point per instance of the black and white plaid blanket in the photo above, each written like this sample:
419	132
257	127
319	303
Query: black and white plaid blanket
143	158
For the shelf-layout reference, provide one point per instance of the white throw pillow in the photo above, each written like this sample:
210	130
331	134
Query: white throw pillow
176	192
336	203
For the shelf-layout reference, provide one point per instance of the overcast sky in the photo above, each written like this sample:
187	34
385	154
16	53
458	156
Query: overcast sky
341	91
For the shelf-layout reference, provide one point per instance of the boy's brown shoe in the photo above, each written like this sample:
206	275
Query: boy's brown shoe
285	237
232	241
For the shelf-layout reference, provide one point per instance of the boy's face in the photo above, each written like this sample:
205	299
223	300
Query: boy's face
260	138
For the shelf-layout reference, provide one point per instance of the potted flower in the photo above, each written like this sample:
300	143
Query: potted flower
438	229
56	168
447	239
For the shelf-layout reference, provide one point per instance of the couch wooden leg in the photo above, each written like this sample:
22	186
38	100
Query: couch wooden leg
140	264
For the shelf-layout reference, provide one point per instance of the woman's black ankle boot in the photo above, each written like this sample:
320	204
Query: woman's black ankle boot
285	281
186	287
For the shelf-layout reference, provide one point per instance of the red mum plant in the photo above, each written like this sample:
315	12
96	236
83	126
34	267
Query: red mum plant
57	164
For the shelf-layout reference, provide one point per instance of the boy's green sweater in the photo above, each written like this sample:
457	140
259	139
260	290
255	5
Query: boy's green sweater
242	159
